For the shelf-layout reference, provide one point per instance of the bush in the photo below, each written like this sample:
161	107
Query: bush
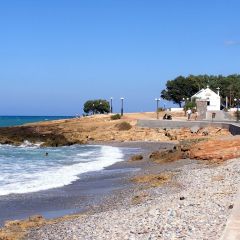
116	117
124	126
191	105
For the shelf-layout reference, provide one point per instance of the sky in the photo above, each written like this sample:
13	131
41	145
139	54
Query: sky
56	54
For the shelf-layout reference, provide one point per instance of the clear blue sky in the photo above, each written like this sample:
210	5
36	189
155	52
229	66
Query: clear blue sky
55	54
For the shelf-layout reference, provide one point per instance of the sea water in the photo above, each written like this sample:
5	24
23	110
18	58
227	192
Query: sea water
6	121
27	168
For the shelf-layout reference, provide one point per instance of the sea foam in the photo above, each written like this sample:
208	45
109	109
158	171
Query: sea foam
27	170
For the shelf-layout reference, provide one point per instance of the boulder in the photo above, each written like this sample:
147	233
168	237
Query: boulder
216	149
136	157
195	129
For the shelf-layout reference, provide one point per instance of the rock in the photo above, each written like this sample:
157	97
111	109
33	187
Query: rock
216	149
195	129
182	198
205	132
136	157
230	206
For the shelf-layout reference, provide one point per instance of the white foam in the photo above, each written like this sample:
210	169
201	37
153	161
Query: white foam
60	176
85	154
26	143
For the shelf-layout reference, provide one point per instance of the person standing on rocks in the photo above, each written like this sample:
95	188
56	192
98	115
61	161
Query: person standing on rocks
189	113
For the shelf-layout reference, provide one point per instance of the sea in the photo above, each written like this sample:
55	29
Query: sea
7	121
30	168
27	168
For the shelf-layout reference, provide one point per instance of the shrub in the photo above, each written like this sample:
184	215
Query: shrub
116	117
124	126
191	105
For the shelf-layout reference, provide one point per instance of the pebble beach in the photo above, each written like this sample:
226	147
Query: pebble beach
195	204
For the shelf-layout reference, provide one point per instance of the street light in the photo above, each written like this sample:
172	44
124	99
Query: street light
122	105
157	100
111	107
100	108
93	108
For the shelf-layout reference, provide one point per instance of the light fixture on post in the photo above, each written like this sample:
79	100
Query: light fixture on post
183	99
157	100
111	106
122	105
93	109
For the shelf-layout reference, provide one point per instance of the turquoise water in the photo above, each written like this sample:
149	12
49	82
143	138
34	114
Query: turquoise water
6	121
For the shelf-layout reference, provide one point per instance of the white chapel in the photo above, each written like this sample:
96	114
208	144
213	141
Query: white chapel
213	99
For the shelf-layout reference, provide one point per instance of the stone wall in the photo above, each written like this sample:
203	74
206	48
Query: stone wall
201	109
168	124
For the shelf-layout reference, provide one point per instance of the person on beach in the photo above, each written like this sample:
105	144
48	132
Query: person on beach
189	113
196	115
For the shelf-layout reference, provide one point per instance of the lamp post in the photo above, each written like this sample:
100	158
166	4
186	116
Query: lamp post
100	108
157	100
93	108
237	102
111	107
185	100
122	105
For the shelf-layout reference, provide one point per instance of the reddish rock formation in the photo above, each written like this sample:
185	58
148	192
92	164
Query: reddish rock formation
219	149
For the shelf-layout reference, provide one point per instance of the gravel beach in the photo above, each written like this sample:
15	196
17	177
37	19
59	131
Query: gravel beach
195	204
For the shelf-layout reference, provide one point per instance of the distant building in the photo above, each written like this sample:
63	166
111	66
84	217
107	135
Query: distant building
213	99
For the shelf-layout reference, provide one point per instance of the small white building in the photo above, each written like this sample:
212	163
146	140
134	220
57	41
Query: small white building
213	99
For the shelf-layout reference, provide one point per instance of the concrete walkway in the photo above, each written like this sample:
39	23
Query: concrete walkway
232	230
233	127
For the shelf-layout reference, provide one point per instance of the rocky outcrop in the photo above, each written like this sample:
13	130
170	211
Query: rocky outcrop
166	156
47	136
98	129
215	150
219	149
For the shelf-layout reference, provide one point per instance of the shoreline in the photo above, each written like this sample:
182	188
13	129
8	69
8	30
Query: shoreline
81	195
194	205
206	189
160	189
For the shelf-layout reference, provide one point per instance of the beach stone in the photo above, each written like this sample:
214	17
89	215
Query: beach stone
136	157
205	132
195	129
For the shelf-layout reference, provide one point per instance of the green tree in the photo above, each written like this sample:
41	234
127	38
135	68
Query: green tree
178	89
98	106
185	87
